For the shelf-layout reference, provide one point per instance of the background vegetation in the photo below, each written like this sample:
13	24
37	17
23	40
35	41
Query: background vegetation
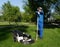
11	18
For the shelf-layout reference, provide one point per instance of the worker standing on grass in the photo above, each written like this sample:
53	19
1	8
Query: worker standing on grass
40	17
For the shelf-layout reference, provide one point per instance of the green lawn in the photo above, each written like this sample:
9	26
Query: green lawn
51	35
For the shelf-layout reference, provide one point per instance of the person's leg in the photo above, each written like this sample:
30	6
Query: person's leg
40	30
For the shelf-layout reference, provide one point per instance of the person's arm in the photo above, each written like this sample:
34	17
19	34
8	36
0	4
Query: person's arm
42	13
37	13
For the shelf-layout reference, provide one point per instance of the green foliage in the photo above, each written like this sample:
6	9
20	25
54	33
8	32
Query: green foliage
32	5
56	16
1	18
10	13
28	14
45	4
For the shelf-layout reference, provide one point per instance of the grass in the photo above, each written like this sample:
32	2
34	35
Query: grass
51	36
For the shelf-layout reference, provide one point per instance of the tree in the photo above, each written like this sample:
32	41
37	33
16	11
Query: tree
11	13
45	4
28	13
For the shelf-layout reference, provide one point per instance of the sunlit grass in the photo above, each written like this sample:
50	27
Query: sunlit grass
51	36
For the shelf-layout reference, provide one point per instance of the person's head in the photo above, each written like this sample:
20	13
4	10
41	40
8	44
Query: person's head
39	9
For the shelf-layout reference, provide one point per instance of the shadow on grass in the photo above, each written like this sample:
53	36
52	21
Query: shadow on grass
5	30
50	25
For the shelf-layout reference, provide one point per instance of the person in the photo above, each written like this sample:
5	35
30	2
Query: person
40	17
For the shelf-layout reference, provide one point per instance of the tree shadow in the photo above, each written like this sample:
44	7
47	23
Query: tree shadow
5	30
51	25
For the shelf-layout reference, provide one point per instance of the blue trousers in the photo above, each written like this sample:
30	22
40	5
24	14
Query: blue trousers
40	29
